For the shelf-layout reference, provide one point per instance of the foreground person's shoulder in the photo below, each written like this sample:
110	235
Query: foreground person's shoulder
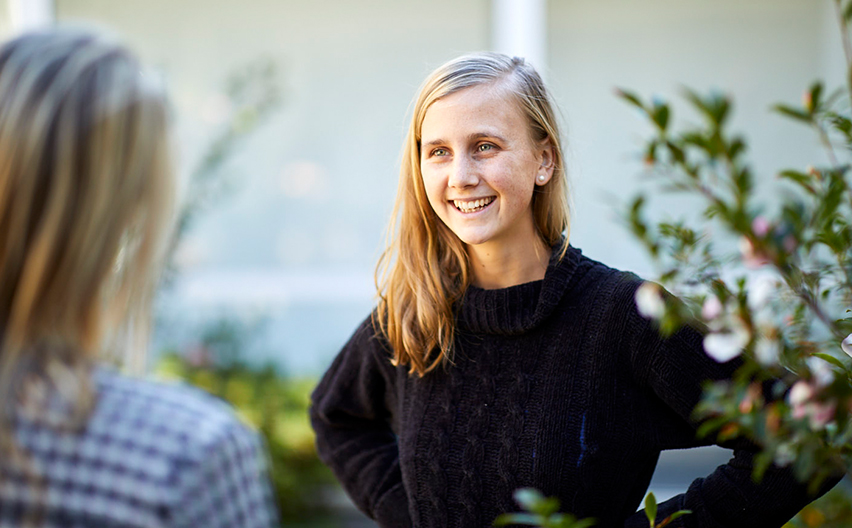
169	411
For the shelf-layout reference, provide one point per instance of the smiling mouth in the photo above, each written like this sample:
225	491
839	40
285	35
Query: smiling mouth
472	206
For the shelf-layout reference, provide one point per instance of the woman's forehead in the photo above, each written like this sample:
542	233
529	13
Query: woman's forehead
476	106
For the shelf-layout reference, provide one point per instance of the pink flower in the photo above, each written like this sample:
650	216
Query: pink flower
760	226
751	258
801	398
821	413
800	394
712	308
790	243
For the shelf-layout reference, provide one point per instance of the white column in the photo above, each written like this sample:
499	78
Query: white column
31	14
519	28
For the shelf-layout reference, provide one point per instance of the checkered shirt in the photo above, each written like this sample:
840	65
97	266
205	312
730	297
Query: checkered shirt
151	455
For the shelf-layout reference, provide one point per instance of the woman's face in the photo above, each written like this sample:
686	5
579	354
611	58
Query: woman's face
480	166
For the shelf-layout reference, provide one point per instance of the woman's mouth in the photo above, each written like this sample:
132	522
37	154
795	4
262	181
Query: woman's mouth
472	206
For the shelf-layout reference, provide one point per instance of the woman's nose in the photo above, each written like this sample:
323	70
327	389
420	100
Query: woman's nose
463	173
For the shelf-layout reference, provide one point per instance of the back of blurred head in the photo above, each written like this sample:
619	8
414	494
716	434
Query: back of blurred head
86	196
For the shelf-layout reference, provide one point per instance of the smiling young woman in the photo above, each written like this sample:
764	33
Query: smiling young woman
499	356
480	164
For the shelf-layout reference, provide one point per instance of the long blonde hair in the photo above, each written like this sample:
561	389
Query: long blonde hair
424	269
86	205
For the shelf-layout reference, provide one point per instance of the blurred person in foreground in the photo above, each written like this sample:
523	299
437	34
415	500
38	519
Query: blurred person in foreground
86	208
501	357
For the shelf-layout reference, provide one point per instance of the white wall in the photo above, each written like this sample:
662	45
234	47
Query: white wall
350	70
5	20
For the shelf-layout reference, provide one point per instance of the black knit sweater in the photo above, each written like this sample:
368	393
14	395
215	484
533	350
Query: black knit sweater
557	384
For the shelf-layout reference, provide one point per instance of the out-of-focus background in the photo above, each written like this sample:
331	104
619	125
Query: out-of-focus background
289	118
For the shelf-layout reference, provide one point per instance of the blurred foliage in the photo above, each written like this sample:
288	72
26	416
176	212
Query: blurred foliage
781	301
540	511
252	93
275	405
832	510
543	512
651	513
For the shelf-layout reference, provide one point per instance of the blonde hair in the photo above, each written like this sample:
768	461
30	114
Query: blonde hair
86	205
424	269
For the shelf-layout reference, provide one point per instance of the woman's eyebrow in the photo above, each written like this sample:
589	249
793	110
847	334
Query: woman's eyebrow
489	135
434	142
470	137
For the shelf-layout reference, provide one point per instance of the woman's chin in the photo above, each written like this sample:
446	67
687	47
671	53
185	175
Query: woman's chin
474	239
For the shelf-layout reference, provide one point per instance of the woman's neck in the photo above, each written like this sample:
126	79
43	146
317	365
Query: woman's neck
495	266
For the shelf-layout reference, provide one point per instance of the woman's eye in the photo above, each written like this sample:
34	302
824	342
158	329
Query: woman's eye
439	152
485	147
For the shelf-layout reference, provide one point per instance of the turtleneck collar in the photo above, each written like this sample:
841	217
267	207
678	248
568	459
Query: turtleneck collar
518	309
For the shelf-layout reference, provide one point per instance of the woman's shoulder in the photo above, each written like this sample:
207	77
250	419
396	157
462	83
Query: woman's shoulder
606	282
368	339
178	447
168	417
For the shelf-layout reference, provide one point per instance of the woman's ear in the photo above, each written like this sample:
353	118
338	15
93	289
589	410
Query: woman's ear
545	170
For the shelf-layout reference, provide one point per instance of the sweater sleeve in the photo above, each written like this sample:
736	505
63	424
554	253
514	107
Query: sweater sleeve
675	369
350	413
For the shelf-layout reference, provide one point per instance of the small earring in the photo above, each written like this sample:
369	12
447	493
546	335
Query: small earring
541	178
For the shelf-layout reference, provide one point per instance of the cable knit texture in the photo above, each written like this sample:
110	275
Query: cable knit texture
557	384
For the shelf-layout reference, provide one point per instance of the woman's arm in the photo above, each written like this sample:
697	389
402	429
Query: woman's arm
676	369
351	416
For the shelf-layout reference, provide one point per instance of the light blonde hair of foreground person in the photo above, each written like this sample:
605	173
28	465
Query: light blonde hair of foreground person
425	269
86	198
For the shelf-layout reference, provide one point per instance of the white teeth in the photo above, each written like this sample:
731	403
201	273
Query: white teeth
473	205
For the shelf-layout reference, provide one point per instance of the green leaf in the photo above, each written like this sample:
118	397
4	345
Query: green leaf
676	515
743	181
533	501
814	95
844	325
800	178
630	97
831	359
694	138
651	508
677	153
518	518
583	523
736	148
660	116
794	113
715	106
847	13
841	123
651	152
528	498
549	506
